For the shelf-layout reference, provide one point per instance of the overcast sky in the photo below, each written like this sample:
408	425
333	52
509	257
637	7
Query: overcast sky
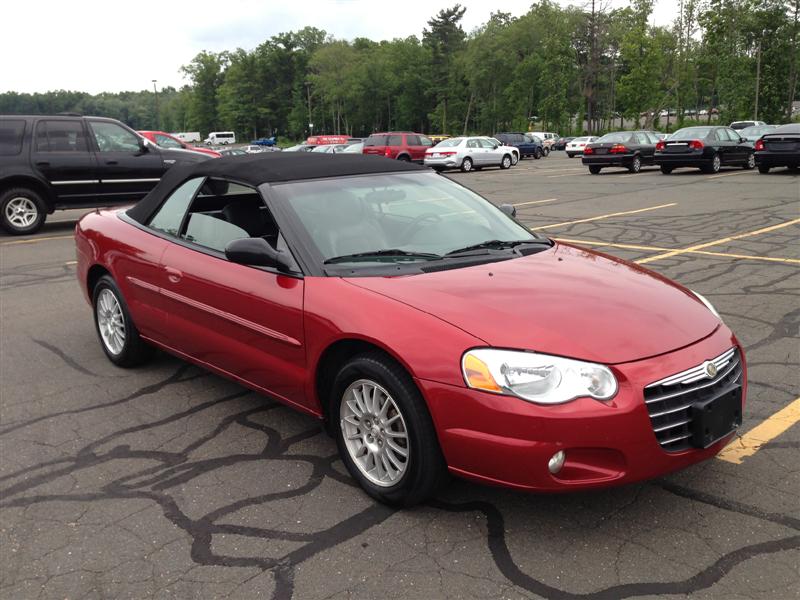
94	46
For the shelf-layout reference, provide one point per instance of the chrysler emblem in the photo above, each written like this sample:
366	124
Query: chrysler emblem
710	369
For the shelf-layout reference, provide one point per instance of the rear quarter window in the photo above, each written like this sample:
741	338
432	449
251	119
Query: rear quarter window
394	140
375	140
11	134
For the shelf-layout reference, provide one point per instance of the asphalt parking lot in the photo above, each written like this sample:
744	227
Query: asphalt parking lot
167	481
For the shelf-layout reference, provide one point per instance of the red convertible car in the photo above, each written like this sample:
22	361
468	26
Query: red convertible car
430	330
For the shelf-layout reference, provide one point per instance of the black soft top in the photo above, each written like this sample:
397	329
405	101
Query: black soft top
275	167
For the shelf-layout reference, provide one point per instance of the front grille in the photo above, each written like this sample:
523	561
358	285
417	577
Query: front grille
670	401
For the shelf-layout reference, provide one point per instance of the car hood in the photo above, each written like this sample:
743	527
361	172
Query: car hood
565	300
181	156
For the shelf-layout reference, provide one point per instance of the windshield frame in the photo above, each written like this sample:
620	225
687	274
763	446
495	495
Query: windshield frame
312	262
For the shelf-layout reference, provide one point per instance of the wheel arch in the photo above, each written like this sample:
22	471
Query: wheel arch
32	182
93	275
335	355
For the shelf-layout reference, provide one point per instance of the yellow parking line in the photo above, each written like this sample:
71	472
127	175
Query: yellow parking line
739	236
749	443
613	245
659	249
535	202
727	175
39	239
616	214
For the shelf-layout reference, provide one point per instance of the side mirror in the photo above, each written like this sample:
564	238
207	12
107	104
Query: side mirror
742	140
495	146
509	209
255	252
143	148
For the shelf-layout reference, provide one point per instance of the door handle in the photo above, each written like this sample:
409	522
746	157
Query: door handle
43	163
111	162
174	275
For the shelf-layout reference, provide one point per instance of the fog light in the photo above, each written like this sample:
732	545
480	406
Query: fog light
556	462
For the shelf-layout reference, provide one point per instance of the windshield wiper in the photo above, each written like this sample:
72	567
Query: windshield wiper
496	245
389	252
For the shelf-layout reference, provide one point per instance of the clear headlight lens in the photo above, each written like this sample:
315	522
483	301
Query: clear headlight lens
538	378
708	304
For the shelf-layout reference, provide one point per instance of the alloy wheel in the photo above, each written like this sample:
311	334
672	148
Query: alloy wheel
21	212
715	163
374	432
110	321
751	161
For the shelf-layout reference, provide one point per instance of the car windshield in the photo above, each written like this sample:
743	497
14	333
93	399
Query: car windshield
449	143
690	133
620	137
401	217
756	130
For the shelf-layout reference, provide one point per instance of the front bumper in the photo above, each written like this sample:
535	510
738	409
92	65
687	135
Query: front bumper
507	441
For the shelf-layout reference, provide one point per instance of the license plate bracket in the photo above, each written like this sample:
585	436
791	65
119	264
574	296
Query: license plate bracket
716	417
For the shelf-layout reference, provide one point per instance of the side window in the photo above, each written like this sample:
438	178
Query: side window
412	140
11	134
394	140
111	137
486	144
170	216
473	144
720	135
641	138
733	135
166	142
60	136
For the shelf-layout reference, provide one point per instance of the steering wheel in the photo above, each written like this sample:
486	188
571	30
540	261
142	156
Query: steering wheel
418	223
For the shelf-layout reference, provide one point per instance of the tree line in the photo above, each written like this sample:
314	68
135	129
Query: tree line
580	68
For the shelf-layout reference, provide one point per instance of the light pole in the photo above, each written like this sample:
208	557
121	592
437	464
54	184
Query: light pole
155	91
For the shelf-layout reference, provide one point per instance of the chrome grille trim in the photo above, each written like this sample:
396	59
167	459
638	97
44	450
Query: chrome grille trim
691	375
689	390
670	401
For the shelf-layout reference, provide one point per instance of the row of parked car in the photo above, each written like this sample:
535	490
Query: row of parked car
707	148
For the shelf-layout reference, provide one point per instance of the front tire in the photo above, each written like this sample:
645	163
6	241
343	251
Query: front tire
570	154
546	151
763	169
514	159
506	162
384	431
119	337
22	211
466	165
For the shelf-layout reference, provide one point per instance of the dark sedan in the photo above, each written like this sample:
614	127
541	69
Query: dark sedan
629	149
779	148
705	148
561	143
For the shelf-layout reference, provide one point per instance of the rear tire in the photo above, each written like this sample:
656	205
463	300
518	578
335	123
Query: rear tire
404	158
546	151
636	165
22	211
594	169
466	165
514	159
570	154
369	438
716	163
763	169
537	153
666	170
119	337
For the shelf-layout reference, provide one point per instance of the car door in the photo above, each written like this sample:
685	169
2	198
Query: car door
245	321
61	154
739	150
474	151
125	171
490	151
723	145
646	147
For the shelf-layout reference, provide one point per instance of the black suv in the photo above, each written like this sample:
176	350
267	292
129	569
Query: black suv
59	162
526	144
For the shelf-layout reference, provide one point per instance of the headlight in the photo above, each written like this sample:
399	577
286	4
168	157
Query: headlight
708	304
538	378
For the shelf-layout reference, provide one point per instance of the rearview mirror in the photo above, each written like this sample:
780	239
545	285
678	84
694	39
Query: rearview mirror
509	209
255	252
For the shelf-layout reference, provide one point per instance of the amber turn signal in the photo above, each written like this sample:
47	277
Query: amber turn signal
478	375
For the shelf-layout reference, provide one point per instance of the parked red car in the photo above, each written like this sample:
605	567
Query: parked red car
165	140
400	145
428	328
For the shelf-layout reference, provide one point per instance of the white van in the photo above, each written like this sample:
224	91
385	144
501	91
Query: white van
187	136
220	138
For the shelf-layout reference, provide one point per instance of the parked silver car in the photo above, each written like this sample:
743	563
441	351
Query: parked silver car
468	153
